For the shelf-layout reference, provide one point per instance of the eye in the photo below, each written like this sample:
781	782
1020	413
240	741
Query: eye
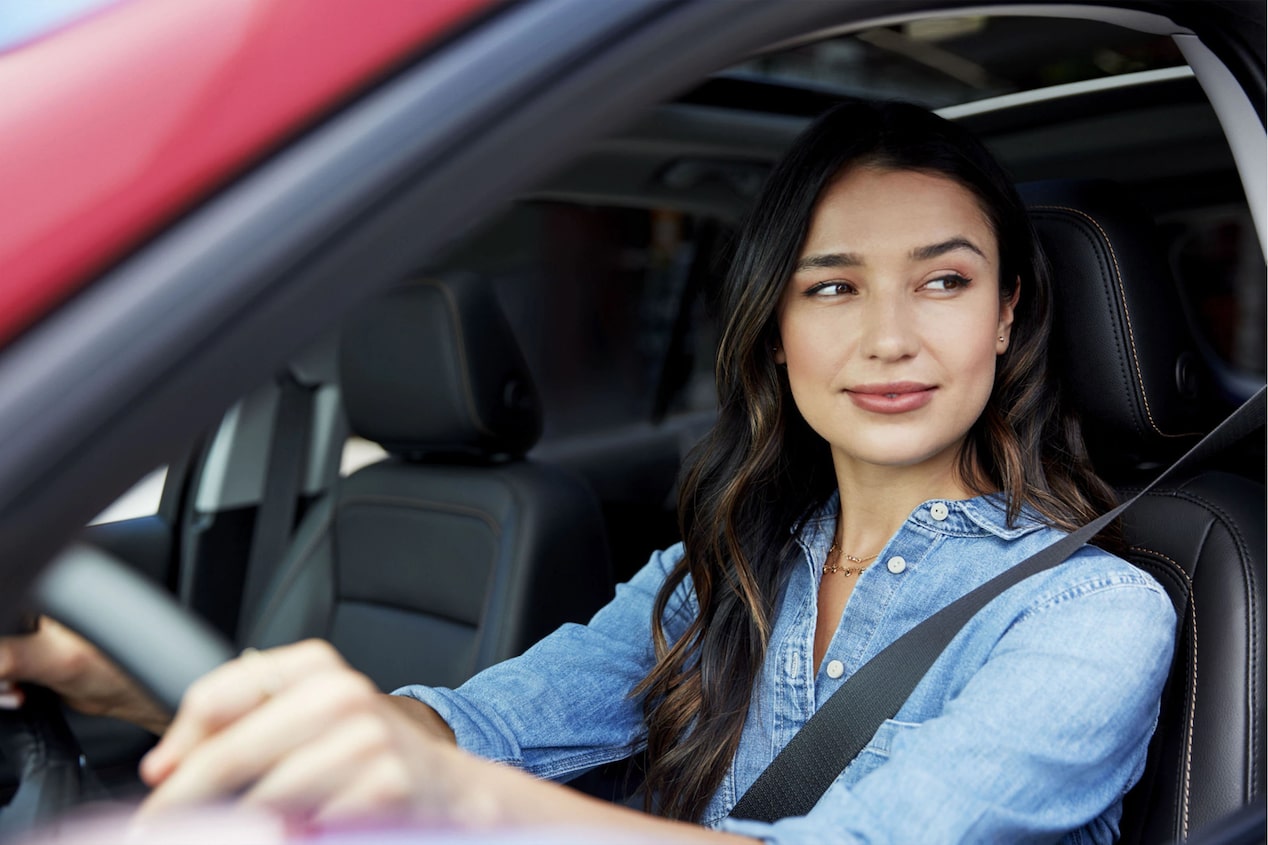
950	282
827	289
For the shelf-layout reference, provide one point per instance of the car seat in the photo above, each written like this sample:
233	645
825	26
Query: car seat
455	552
1128	360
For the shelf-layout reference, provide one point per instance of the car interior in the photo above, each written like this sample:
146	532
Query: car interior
483	452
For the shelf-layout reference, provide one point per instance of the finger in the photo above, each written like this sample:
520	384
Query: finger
217	699
467	800
312	776
379	791
244	751
228	693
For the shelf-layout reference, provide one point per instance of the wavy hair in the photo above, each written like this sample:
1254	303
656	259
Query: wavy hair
761	469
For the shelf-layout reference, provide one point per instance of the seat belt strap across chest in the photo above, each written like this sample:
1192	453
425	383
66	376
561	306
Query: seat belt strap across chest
802	772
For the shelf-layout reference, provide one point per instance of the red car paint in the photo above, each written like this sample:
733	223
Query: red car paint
116	124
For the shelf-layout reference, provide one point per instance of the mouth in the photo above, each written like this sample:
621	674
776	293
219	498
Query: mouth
891	389
892	397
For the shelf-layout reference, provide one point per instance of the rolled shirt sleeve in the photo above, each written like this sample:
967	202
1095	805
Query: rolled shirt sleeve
565	705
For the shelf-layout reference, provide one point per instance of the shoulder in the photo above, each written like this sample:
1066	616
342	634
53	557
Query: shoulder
660	565
1096	583
652	577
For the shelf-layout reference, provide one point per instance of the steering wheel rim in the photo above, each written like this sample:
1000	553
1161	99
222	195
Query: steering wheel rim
147	633
150	636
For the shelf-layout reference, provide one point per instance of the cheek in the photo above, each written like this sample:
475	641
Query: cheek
971	350
813	356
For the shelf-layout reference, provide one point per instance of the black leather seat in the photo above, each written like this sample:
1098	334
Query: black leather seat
455	552
1129	362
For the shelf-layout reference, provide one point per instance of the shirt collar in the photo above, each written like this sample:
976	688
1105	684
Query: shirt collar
981	515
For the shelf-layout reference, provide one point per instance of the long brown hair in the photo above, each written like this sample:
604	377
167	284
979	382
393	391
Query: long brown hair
761	469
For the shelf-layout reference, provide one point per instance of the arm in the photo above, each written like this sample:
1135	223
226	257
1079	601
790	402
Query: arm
565	705
294	729
56	657
428	720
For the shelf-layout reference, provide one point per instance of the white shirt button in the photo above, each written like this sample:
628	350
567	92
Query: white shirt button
938	511
835	668
896	564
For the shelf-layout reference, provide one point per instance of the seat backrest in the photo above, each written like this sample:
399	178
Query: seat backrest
454	552
1128	360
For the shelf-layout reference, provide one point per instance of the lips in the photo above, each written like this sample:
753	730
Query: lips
892	397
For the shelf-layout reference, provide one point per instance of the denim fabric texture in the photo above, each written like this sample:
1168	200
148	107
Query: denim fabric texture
1030	727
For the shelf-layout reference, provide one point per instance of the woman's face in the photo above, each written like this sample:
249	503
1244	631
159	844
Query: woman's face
890	327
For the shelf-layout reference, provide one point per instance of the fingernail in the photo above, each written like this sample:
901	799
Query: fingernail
11	700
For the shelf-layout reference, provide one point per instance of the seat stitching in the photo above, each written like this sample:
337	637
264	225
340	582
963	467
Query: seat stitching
1192	613
1252	629
1131	335
1123	369
404	501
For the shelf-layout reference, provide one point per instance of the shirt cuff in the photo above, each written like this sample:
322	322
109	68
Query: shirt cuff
472	730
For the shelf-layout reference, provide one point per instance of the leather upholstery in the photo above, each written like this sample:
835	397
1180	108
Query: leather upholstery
1131	366
1204	541
458	384
1121	343
453	554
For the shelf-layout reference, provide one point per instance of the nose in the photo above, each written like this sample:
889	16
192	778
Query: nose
889	331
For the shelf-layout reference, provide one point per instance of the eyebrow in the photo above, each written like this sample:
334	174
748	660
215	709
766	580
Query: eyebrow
834	260
829	260
924	253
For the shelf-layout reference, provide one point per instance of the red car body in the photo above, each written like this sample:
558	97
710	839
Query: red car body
116	123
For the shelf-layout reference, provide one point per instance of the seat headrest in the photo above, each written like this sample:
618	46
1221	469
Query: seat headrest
1122	345
431	369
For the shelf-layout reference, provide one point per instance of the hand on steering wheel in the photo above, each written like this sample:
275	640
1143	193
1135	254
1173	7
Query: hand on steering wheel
57	658
138	652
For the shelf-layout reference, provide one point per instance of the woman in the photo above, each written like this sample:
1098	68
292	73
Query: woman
888	438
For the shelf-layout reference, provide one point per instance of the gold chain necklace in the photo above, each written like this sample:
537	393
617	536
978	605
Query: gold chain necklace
832	565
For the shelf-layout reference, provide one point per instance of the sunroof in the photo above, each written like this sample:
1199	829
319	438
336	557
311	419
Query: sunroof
949	61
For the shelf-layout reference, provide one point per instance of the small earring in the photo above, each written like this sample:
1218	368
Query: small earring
1001	338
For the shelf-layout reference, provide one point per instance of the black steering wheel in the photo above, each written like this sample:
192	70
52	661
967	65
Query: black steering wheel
137	625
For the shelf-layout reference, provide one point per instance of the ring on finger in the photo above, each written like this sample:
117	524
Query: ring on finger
264	668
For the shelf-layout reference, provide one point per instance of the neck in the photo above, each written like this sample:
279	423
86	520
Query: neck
876	500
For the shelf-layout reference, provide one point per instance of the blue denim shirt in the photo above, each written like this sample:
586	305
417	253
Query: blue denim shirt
1029	728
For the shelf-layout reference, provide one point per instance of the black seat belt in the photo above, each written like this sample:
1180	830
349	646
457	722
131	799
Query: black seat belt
279	500
802	772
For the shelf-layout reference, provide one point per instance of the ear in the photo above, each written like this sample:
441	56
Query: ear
780	358
1007	308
